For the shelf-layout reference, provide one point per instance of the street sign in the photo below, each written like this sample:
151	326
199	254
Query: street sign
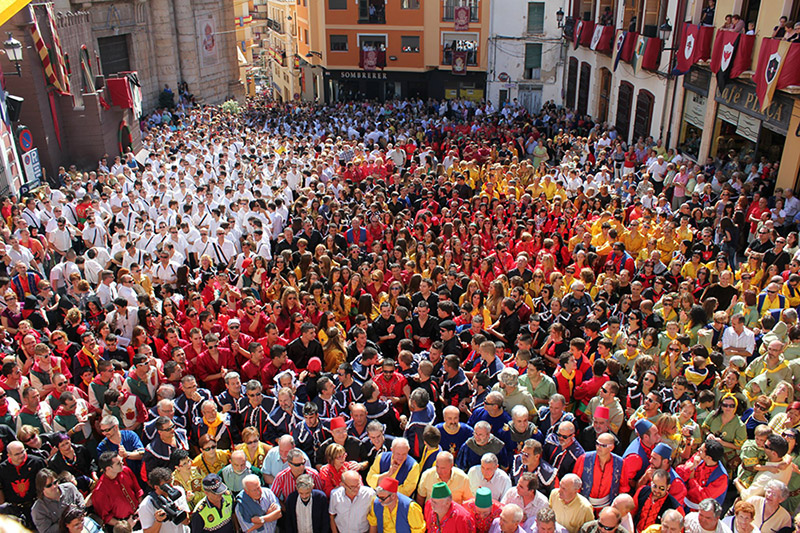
25	140
33	168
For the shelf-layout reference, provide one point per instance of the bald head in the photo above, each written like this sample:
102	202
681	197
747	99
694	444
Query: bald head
624	504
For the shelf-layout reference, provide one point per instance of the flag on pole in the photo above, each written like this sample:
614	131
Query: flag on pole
61	67
86	70
619	44
44	53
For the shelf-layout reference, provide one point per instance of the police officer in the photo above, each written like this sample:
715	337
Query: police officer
215	511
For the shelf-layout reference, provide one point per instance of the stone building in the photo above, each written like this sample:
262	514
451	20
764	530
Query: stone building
166	42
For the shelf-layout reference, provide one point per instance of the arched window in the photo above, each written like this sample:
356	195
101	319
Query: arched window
644	114
624	105
583	90
572	83
605	95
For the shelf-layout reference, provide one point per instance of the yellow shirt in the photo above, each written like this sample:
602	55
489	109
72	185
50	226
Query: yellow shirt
666	245
459	484
205	468
573	515
416	519
633	242
689	270
407	487
791	300
684	234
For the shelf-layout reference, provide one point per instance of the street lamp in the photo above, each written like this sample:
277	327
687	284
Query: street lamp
13	50
665	30
312	53
560	17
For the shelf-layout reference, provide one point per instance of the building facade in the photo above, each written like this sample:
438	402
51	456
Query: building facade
526	53
635	99
379	49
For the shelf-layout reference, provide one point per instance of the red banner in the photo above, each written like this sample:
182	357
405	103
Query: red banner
743	56
628	45
461	18
587	33
687	52
778	67
602	38
724	49
460	62
705	36
372	59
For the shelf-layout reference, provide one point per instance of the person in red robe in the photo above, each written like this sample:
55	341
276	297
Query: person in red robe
211	366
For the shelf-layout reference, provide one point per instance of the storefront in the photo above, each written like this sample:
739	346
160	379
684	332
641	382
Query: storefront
741	127
347	85
696	84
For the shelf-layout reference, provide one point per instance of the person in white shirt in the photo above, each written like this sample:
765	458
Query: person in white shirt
222	251
93	234
526	496
60	239
350	503
125	290
488	474
706	519
165	272
107	290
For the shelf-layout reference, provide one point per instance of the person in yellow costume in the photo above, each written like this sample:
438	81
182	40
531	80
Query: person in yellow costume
668	243
633	240
396	513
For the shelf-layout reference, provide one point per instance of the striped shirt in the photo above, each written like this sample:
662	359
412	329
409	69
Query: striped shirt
285	483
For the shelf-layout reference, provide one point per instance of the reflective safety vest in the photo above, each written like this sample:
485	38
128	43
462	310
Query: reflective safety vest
214	518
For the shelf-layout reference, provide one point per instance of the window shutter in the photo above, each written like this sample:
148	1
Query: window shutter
535	17
533	55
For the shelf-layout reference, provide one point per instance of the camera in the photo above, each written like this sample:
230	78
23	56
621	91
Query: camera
175	515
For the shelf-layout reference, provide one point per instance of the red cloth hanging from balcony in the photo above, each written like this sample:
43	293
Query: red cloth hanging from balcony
120	91
687	52
602	39
583	33
372	59
778	67
705	38
731	55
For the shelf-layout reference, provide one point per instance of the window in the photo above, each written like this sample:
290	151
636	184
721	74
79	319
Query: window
460	42
572	82
450	9
533	61
338	43
605	93
535	17
624	104
372	12
409	4
644	114
410	43
305	35
583	89
653	16
337	4
114	54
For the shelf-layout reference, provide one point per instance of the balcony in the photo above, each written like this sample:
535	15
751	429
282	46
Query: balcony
372	12
449	13
447	55
275	26
259	15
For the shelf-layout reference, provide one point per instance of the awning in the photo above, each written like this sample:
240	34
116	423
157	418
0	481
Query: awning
13	7
242	59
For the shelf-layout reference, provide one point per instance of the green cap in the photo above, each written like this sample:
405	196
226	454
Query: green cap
483	498
440	490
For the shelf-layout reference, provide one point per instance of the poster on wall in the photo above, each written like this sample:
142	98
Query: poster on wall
208	40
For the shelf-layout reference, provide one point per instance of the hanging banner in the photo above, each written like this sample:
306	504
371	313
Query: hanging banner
461	18
207	40
460	62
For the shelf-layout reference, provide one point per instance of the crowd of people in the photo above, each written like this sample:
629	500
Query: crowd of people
404	317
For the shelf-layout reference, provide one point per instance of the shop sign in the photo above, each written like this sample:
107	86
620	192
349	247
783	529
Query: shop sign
748	127
728	115
362	75
743	98
694	112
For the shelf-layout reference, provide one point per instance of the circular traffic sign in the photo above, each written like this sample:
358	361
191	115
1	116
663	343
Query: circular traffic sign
25	140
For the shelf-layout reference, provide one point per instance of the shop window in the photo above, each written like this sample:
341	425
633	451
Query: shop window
338	43
533	61
624	104
535	17
337	4
644	115
572	82
450	9
409	4
461	42
410	44
583	90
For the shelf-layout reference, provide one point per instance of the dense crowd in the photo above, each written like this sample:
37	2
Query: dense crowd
401	317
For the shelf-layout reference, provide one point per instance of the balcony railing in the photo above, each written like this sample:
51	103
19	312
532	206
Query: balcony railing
259	15
450	12
274	25
447	57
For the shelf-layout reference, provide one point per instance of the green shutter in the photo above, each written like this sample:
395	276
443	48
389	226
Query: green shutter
533	55
535	17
